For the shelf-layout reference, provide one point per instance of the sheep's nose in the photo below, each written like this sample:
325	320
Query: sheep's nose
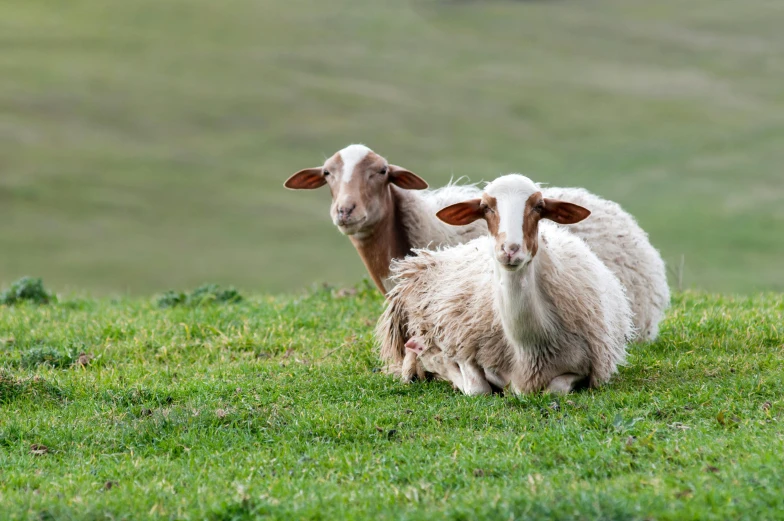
345	211
511	249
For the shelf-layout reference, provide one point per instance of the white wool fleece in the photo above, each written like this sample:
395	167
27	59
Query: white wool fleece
450	298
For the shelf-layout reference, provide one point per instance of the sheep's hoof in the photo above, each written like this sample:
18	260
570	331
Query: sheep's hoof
409	370
566	383
408	378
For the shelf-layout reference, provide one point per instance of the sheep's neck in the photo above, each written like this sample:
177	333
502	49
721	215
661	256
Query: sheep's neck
524	307
387	241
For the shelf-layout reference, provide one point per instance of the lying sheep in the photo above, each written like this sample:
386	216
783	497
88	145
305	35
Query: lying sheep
384	209
616	238
386	212
531	304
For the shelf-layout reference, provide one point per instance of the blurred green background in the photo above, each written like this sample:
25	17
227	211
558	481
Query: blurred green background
143	144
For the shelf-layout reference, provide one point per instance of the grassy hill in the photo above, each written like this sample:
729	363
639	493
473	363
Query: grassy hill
143	144
272	406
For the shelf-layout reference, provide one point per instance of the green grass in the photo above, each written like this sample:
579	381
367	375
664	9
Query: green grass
271	406
143	144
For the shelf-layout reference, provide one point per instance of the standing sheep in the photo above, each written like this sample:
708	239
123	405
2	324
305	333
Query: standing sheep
531	304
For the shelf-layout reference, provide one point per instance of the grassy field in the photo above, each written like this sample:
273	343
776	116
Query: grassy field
143	144
273	406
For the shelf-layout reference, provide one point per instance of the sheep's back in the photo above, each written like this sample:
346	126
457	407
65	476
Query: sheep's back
418	211
623	246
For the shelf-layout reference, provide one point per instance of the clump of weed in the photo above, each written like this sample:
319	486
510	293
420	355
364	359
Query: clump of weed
73	354
171	299
245	508
12	388
47	356
136	396
28	289
201	296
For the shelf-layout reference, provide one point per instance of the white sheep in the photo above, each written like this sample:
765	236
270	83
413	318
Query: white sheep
616	238
386	212
531	304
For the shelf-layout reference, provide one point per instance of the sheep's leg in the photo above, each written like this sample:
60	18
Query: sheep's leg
411	366
451	371
445	368
466	378
497	378
409	369
474	379
566	383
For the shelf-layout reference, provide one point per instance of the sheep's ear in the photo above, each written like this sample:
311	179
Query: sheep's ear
307	179
403	178
563	212
461	214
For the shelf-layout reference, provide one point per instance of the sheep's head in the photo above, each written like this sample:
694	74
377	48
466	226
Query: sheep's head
513	205
359	180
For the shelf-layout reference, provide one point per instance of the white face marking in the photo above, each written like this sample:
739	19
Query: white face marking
510	212
511	193
351	156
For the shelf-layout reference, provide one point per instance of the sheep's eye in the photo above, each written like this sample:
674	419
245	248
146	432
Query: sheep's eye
485	209
326	173
384	170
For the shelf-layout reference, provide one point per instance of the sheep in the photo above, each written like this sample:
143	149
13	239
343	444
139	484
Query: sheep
384	209
531	304
616	238
386	213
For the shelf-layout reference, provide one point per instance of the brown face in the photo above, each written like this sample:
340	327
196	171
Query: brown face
531	216
359	180
359	191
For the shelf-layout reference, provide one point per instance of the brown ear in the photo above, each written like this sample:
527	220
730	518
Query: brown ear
307	179
461	214
563	212
404	179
